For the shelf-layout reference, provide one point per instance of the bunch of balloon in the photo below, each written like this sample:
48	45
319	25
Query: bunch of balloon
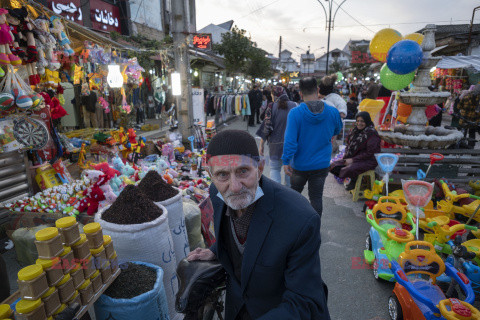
401	56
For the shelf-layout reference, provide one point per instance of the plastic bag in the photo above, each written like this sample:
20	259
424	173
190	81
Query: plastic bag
193	222
24	240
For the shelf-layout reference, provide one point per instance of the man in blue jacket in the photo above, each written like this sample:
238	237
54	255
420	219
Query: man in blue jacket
307	148
268	237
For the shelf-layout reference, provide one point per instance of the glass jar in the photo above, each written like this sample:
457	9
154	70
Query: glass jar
94	234
80	248
108	245
51	301
32	282
66	289
67	259
75	299
30	310
99	256
96	280
86	292
48	243
53	270
68	228
5	311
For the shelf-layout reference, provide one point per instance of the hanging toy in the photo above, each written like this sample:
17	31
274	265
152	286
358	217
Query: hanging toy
58	30
6	38
45	43
14	23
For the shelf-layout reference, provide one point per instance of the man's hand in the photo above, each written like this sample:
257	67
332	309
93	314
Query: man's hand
288	170
201	254
348	161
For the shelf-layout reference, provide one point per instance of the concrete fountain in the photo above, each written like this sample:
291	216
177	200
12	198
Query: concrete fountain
416	133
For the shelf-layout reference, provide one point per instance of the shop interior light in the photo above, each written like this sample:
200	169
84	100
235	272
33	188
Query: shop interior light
114	78
176	84
433	69
195	73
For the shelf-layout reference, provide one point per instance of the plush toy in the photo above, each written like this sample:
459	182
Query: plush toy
110	196
6	38
116	185
93	196
118	163
128	171
106	169
45	43
91	176
58	30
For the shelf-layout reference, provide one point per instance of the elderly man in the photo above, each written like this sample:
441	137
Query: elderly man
268	237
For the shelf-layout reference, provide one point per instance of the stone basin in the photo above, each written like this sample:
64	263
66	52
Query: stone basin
423	98
433	138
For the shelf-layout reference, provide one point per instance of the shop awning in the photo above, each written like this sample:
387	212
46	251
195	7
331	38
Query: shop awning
457	62
214	59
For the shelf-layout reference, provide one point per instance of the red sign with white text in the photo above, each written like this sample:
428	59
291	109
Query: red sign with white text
202	41
70	9
105	16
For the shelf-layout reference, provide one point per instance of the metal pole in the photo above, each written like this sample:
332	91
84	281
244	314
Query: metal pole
471	27
330	4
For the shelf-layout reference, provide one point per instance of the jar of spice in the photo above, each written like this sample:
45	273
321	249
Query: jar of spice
78	276
32	282
51	301
80	248
96	280
62	307
108	245
106	272
67	259
68	228
88	267
75	299
94	234
48	243
86	292
114	262
53	270
99	256
30	310
5	311
66	289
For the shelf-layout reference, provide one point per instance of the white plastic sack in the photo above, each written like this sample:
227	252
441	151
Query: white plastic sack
193	223
147	242
176	221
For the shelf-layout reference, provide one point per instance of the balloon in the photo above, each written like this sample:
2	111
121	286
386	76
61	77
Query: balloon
382	42
339	76
404	57
417	37
393	81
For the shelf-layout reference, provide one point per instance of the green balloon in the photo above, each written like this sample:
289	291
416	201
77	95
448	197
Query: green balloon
339	76
393	81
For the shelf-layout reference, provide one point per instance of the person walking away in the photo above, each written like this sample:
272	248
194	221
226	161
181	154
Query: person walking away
296	94
307	147
327	93
469	107
372	90
267	92
273	131
255	98
268	237
363	142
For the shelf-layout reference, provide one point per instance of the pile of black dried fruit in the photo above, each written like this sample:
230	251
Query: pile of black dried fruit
132	207
155	188
134	280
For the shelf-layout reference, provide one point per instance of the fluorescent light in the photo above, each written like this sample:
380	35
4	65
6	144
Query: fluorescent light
176	84
115	77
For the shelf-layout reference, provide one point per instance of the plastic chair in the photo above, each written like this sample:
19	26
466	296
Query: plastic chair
357	192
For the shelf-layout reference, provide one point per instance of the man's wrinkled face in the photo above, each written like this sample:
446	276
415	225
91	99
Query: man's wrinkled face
236	178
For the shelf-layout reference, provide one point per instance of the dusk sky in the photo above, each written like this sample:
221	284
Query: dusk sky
302	22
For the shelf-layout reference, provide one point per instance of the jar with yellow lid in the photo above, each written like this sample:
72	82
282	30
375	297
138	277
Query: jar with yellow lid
89	267
5	311
53	270
75	299
78	276
68	262
106	272
86	292
68	228
32	282
108	245
80	248
114	262
96	280
66	289
30	310
62	308
94	234
51	301
48	243
99	256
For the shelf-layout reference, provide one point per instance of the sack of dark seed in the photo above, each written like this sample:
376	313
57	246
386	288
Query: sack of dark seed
155	188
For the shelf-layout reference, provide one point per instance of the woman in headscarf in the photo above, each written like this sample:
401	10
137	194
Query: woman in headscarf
362	144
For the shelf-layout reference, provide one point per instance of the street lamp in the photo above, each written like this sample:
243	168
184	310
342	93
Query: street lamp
328	24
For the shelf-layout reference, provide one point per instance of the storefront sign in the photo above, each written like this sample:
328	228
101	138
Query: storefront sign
105	16
202	41
198	105
294	74
70	9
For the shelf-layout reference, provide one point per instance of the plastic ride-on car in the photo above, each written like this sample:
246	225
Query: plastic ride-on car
416	295
386	239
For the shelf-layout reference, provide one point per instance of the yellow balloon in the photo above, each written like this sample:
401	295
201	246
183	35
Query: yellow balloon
417	37
382	42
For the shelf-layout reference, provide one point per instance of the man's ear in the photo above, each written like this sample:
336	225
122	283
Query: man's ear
261	166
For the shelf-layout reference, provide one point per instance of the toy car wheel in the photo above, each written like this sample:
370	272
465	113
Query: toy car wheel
394	308
375	269
368	243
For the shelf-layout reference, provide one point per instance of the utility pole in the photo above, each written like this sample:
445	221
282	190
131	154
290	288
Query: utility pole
471	29
181	28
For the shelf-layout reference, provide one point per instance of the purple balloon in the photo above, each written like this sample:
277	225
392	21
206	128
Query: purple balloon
404	57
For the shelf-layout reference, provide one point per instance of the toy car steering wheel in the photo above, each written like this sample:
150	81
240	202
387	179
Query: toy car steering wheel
400	235
459	310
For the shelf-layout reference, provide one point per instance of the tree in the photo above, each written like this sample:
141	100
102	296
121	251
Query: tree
259	65
335	66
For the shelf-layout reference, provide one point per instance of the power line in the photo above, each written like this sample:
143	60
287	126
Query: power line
258	9
355	19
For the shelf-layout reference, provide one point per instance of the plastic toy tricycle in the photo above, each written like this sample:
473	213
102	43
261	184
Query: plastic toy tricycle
451	197
387	238
416	295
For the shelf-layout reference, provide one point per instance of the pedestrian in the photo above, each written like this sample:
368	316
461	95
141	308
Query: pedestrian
372	90
158	97
327	93
267	92
168	98
307	148
273	131
140	114
296	94
352	107
268	237
255	98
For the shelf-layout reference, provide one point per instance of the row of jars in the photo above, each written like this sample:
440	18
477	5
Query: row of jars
71	268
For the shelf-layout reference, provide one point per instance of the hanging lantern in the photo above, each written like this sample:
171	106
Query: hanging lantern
114	78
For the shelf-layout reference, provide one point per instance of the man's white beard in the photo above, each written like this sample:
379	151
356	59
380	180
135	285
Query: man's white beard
240	200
